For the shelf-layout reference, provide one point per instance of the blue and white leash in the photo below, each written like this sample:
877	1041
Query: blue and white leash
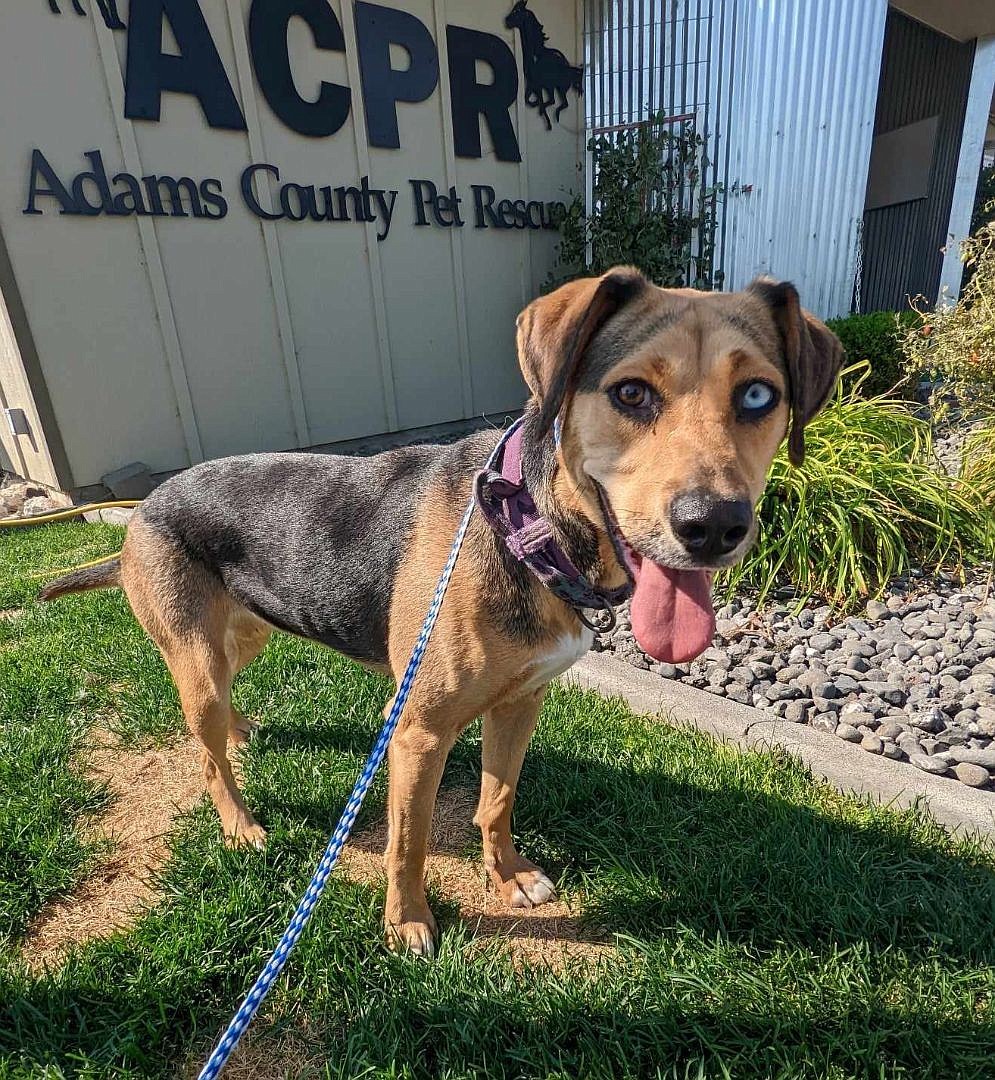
305	909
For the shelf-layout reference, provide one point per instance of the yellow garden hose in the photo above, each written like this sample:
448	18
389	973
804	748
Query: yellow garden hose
64	515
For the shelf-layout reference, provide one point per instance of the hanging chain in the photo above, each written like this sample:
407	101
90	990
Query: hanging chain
858	280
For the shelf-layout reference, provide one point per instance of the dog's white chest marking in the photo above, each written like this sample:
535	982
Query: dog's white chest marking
565	653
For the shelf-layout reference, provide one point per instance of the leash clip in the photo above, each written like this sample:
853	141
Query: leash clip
604	621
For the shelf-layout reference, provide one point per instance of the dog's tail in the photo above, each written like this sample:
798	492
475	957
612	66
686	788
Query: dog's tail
104	575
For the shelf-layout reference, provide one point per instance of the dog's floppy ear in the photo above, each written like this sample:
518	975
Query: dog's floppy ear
554	331
813	355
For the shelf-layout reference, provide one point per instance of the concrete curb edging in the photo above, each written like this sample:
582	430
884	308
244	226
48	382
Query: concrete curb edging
846	767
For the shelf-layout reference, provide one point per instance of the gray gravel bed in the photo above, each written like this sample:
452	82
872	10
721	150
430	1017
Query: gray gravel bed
911	677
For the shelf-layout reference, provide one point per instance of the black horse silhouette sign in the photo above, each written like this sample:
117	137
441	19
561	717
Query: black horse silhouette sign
549	75
108	8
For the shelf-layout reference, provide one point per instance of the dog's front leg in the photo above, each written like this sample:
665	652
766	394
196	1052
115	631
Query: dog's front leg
507	731
417	758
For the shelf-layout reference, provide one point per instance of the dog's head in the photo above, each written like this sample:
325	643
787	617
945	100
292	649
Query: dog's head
674	402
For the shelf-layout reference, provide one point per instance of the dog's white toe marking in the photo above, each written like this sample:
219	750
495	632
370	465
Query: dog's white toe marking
531	889
419	941
539	888
518	898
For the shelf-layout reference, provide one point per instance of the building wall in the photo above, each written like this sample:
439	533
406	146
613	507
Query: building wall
805	80
172	339
923	74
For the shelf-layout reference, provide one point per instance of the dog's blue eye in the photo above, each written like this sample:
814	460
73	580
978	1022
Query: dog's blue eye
756	398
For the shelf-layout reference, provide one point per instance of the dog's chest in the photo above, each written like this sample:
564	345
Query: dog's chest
567	650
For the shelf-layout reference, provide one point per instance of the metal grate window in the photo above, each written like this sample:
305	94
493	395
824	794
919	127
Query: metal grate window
664	58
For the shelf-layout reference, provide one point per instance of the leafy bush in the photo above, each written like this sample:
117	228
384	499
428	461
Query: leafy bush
956	343
877	338
867	504
648	209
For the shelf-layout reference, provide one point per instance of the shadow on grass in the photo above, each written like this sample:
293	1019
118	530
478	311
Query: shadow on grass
768	927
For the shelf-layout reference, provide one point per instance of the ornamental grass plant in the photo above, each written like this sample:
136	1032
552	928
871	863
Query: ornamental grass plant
868	503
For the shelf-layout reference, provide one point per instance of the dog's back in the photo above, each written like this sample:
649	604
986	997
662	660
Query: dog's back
308	542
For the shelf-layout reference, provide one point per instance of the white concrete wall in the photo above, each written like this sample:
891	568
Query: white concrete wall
171	340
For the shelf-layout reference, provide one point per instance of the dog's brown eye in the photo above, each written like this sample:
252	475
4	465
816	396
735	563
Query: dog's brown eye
633	394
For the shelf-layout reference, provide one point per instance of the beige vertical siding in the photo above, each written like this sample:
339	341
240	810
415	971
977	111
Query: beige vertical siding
173	340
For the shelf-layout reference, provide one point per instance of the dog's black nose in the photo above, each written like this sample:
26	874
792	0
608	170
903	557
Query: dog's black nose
708	526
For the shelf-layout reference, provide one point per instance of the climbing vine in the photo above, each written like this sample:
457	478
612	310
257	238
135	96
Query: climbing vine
650	209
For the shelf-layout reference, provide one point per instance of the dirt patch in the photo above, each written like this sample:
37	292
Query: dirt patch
549	934
150	788
10	614
287	1053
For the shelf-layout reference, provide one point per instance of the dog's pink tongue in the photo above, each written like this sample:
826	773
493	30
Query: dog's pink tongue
672	615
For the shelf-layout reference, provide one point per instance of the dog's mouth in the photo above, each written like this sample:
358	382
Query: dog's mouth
671	610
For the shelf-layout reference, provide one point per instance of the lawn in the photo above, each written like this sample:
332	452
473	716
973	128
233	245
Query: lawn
757	923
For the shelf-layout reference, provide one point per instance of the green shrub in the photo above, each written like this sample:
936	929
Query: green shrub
649	209
956	343
877	338
868	503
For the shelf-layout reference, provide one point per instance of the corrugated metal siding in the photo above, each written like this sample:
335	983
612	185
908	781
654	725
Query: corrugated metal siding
923	74
785	91
806	75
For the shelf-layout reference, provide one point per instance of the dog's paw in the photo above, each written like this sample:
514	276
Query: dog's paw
416	936
525	887
241	729
253	835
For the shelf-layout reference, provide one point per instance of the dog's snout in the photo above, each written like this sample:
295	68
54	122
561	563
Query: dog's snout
710	527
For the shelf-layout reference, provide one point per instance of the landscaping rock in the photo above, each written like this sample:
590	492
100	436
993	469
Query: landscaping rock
872	743
797	711
973	756
972	775
913	676
875	610
934	765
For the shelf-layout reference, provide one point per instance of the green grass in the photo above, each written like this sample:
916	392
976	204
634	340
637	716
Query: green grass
761	924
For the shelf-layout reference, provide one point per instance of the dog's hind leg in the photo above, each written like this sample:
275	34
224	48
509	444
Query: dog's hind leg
250	637
507	730
203	677
188	615
78	7
53	6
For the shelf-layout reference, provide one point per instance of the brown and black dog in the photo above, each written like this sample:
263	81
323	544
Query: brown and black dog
671	405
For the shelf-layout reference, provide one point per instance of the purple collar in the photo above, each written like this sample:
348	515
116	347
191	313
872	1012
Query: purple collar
509	509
